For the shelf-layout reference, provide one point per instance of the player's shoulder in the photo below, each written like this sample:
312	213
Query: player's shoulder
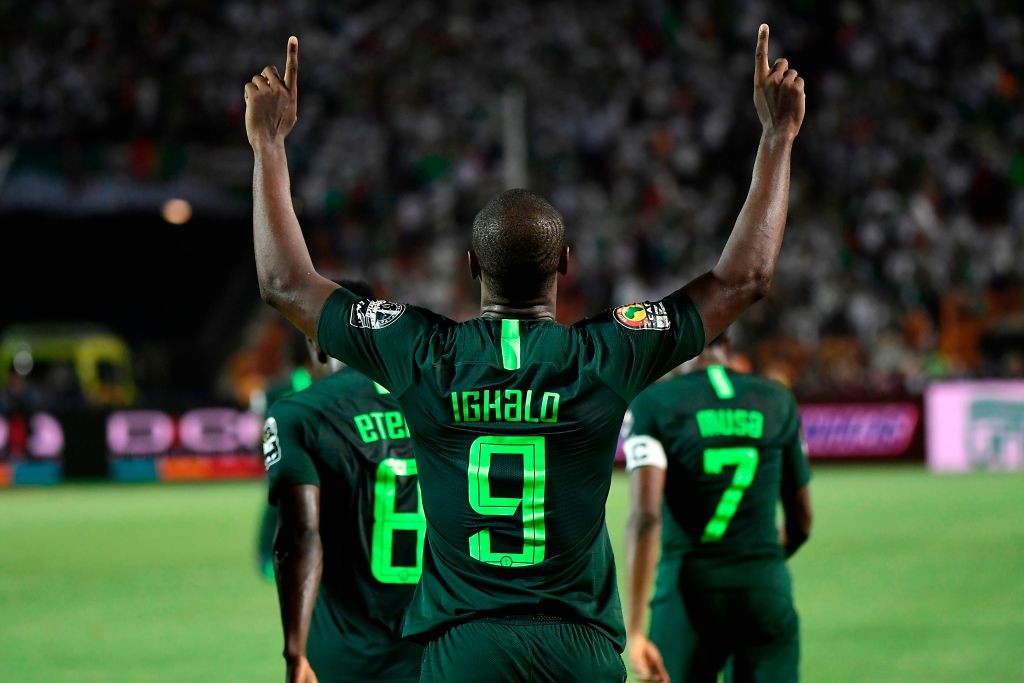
337	396
770	395
640	316
764	385
377	314
671	385
313	399
653	399
302	406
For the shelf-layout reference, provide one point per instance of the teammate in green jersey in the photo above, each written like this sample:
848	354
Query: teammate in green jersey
298	379
716	450
348	548
514	417
306	368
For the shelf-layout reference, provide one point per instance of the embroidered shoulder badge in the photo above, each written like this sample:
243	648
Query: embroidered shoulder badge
271	444
374	315
643	316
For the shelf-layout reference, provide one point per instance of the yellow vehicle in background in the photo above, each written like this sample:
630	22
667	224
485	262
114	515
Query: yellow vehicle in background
67	365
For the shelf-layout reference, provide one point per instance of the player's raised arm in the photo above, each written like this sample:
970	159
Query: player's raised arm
744	272
285	270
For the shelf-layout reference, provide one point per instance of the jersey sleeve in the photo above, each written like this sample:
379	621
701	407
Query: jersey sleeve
639	436
796	470
380	339
634	345
288	440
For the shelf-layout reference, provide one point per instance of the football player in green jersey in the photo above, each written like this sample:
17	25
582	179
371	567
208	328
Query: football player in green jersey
306	368
716	450
300	377
349	541
514	417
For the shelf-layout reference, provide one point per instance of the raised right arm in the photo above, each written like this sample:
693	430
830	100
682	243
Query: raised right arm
745	269
287	279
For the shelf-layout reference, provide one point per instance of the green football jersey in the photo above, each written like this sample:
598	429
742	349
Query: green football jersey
514	426
731	445
347	436
299	380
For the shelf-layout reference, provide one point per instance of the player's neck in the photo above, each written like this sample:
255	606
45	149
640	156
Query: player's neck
708	360
542	308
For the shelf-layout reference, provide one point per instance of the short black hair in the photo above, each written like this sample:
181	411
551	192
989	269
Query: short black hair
358	287
518	239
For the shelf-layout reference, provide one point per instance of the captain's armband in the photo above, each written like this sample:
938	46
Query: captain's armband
644	451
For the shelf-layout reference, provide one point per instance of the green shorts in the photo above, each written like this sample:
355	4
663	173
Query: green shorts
699	627
522	649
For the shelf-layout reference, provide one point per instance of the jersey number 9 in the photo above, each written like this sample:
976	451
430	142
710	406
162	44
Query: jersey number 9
481	453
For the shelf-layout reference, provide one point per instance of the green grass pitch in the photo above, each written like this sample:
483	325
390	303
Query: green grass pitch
909	577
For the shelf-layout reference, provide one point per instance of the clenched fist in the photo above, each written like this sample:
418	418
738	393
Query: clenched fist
778	92
271	104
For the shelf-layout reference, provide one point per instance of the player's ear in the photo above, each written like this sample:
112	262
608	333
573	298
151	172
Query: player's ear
474	264
563	261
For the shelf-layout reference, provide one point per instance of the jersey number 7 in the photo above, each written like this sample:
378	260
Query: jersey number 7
745	460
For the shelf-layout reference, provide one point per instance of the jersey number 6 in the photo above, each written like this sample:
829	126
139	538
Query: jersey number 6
387	520
481	454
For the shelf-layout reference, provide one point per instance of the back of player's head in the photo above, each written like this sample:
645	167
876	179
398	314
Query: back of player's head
358	287
518	239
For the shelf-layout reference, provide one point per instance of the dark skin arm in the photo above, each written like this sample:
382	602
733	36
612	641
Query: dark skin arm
298	563
745	269
287	279
796	510
643	541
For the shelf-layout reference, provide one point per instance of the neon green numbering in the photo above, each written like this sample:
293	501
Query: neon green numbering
531	450
745	461
387	520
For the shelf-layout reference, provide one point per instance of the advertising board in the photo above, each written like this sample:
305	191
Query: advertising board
31	449
205	443
975	426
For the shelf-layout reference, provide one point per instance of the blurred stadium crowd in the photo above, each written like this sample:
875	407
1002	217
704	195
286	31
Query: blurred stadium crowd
903	253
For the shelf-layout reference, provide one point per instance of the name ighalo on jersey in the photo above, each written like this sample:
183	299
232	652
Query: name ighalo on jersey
508	405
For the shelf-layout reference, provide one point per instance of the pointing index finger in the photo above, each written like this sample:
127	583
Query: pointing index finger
291	68
761	68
